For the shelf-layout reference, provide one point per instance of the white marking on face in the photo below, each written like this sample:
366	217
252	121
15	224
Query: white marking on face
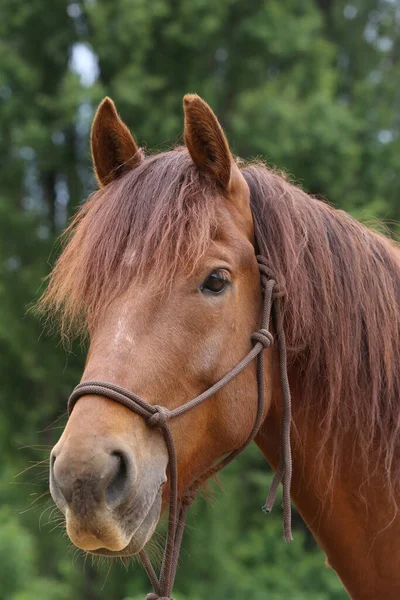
123	336
119	332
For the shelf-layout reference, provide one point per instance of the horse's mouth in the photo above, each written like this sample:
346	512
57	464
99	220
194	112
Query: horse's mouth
141	535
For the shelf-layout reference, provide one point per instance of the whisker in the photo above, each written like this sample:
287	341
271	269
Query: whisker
23	511
50	427
35	465
24	483
108	573
44	447
43	513
57	526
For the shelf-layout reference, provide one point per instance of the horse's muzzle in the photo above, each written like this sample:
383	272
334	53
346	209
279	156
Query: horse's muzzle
110	507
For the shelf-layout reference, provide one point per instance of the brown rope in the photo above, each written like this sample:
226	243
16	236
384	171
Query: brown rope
284	471
158	416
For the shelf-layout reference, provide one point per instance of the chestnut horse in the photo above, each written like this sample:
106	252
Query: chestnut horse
160	270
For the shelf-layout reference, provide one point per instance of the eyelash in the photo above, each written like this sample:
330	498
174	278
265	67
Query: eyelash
213	280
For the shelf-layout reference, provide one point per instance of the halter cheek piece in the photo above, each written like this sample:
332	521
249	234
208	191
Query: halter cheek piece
158	416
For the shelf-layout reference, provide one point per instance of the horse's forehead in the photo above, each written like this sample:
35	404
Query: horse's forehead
234	236
233	247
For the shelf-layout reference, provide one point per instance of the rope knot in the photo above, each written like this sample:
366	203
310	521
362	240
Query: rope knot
264	337
158	418
189	497
266	273
153	596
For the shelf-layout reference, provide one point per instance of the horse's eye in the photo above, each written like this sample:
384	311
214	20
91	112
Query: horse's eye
215	283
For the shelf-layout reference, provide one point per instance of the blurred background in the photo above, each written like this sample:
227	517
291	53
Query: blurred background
311	86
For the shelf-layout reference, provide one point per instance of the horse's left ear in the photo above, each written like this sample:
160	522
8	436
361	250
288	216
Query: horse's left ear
206	141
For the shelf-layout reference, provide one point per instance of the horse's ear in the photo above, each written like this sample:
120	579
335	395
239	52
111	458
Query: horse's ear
206	141
114	151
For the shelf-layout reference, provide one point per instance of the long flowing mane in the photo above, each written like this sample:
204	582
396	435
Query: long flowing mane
341	310
342	319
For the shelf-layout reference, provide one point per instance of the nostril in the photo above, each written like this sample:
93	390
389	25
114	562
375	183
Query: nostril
52	468
52	461
118	488
58	494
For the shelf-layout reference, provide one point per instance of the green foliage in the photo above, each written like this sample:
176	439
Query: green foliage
19	574
311	86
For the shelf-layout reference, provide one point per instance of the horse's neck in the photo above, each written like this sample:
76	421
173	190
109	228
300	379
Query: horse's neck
356	524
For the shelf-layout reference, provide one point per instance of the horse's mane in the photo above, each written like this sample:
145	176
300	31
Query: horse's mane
342	308
342	319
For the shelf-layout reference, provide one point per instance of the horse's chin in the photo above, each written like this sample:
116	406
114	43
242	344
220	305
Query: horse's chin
140	536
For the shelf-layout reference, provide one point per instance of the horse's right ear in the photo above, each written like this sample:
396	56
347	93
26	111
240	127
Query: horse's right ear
114	151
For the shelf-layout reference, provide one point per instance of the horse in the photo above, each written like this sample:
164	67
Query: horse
160	271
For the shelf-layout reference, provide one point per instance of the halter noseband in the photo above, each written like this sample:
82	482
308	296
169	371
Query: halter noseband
158	416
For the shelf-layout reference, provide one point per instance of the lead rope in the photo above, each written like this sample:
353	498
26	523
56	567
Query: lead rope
157	416
284	471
